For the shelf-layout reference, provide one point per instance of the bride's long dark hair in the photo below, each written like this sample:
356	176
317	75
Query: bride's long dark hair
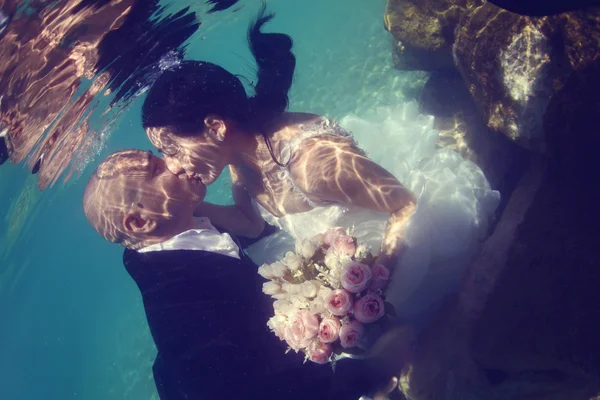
182	97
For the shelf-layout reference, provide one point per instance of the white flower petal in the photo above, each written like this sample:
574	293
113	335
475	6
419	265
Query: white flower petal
308	289
293	261
271	288
291	288
266	271
279	269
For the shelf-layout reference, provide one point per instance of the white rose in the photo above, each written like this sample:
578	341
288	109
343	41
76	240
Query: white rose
292	260
317	306
279	269
299	301
332	261
324	291
291	288
305	248
271	288
308	289
276	324
266	271
284	307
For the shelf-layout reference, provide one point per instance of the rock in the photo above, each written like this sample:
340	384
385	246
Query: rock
580	34
505	61
541	317
571	123
423	31
512	65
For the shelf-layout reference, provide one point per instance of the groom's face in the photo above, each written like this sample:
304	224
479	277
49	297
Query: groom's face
134	198
159	191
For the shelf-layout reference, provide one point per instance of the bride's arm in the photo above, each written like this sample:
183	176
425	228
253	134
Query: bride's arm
240	219
344	175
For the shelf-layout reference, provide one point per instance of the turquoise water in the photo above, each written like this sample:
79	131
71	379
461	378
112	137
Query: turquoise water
73	325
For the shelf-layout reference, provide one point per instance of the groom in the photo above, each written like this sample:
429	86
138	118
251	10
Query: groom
201	293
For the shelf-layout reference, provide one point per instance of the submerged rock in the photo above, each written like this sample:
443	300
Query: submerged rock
423	31
512	65
505	60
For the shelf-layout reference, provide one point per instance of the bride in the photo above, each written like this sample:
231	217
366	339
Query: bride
307	173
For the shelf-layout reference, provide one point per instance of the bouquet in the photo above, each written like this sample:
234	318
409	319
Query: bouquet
325	293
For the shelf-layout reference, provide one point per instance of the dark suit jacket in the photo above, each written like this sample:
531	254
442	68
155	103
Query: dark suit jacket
207	315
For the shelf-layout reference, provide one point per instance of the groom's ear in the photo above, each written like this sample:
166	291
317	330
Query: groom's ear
216	126
135	223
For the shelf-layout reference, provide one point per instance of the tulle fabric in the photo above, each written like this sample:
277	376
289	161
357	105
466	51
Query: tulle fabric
455	205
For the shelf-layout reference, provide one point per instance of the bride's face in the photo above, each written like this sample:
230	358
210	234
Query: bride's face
200	155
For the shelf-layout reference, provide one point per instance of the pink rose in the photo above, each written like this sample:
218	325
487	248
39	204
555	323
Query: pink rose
355	277
329	330
369	308
338	302
331	234
380	277
344	245
299	331
320	353
351	333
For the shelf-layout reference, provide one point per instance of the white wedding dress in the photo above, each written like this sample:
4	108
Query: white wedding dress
455	205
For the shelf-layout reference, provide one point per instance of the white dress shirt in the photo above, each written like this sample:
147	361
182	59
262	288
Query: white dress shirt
204	237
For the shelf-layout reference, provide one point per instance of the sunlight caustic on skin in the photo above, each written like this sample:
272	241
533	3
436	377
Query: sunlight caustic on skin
139	184
204	161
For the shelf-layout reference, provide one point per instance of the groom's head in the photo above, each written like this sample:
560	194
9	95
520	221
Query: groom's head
132	199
